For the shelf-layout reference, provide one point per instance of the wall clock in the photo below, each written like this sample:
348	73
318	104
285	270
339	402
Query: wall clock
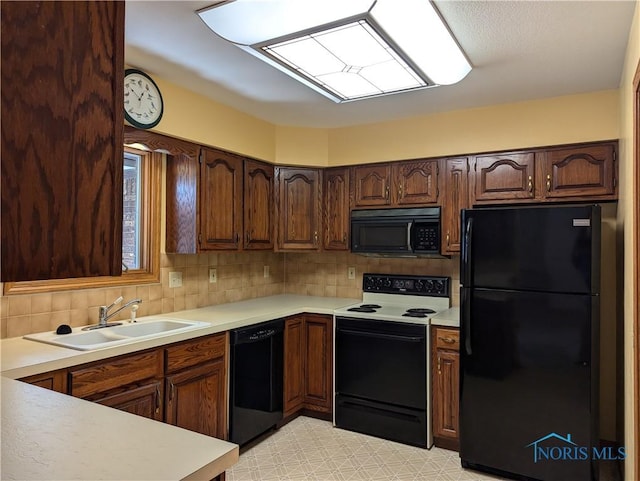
143	106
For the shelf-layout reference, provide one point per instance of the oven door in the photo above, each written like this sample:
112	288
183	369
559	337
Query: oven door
382	361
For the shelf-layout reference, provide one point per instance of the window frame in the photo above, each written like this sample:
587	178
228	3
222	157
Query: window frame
149	273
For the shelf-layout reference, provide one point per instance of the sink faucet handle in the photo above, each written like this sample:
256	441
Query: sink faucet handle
117	301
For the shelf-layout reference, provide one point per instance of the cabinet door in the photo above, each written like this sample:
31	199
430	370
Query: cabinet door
196	399
415	182
54	380
446	375
318	388
258	205
294	345
456	198
145	400
371	185
582	171
62	149
503	177
220	200
298	205
336	209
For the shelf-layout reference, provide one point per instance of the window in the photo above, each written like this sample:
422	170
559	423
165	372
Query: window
140	230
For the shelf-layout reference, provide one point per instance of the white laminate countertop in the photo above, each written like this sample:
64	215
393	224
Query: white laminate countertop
47	435
21	357
448	318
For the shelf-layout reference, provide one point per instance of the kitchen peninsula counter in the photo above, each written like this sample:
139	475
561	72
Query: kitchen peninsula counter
48	435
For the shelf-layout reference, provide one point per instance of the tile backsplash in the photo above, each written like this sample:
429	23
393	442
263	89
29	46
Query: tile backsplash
239	276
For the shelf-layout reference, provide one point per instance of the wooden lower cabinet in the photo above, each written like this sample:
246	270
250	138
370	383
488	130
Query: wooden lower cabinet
318	363
145	400
445	386
308	385
294	347
196	400
54	380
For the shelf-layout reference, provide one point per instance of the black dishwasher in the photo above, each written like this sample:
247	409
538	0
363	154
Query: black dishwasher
256	384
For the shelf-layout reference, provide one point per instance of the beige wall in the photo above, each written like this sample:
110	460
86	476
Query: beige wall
560	120
629	196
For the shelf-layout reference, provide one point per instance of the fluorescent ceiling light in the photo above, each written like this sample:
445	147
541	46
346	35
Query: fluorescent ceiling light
346	50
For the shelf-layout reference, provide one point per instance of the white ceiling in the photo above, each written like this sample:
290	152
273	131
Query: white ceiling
520	50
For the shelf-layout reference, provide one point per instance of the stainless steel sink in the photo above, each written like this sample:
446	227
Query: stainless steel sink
117	335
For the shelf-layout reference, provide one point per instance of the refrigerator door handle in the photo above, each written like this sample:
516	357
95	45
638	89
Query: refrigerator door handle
465	302
466	253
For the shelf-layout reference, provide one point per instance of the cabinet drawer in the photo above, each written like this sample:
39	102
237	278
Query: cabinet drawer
109	374
195	352
447	338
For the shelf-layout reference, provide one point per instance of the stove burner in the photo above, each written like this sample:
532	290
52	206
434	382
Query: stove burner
365	308
420	310
414	314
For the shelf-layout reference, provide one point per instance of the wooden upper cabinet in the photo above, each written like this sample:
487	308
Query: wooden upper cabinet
456	198
62	152
415	182
336	208
298	195
258	205
503	177
372	185
220	200
578	171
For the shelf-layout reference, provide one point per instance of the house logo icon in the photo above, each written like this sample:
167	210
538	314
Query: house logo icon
545	452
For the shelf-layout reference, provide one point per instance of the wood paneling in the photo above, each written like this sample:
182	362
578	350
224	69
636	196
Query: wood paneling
62	130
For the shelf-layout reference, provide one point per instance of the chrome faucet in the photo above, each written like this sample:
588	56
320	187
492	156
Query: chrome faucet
104	316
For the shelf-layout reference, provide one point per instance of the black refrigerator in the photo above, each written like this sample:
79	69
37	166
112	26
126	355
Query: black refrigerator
529	332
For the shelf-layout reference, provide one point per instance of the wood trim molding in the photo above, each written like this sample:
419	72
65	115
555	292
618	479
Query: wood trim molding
636	265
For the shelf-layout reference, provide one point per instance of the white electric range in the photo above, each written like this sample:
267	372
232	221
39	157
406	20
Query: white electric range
382	357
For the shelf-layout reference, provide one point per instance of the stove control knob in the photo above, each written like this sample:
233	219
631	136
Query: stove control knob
419	286
429	286
369	283
387	282
439	287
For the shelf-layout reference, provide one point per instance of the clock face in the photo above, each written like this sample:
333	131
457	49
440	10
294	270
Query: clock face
142	100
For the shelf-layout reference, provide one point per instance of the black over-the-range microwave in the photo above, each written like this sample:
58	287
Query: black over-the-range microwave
396	231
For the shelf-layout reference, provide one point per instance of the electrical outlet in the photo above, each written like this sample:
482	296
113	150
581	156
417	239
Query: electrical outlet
175	279
266	271
351	272
213	276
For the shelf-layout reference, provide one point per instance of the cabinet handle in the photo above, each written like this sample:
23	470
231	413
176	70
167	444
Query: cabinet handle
386	192
248	237
439	366
400	191
548	182
157	399
315	238
447	340
530	184
448	239
171	392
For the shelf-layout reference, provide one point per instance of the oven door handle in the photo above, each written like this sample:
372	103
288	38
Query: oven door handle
379	335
